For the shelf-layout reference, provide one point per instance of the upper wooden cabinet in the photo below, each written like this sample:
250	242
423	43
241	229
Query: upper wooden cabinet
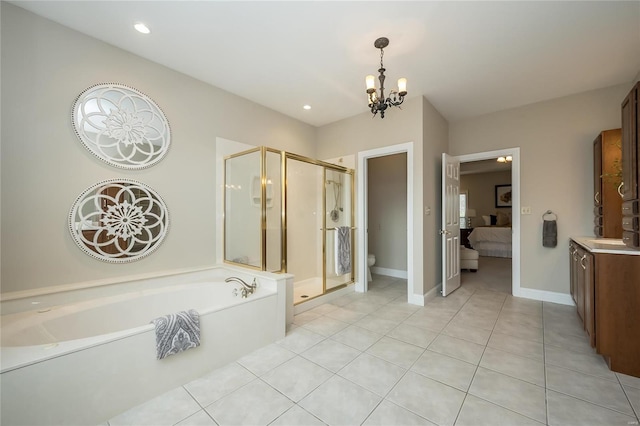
630	202
607	167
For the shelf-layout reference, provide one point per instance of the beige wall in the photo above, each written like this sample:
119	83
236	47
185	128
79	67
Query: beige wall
387	210
481	193
555	139
435	130
44	167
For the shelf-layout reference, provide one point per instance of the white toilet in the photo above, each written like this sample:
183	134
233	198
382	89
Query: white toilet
371	260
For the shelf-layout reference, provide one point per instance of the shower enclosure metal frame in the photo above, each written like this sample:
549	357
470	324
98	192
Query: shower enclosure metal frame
284	158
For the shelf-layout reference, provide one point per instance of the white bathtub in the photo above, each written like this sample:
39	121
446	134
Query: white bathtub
84	362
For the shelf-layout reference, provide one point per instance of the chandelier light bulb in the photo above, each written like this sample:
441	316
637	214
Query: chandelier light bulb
371	83
402	86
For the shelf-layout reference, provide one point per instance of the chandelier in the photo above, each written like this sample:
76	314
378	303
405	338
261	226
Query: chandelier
377	102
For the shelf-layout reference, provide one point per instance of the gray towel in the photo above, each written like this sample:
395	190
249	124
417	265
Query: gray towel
343	250
549	233
177	332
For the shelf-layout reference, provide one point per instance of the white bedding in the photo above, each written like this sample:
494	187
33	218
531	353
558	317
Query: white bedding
492	241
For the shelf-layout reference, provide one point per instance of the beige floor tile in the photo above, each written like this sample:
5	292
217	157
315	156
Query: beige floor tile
588	363
201	418
395	351
357	337
415	335
522	368
325	326
457	348
445	369
256	403
432	400
296	415
296	378
166	409
377	325
517	345
592	389
514	394
626	380
346	315
300	339
340	402
633	394
331	354
265	359
478	412
472	334
373	373
219	383
568	341
388	413
522	331
567	411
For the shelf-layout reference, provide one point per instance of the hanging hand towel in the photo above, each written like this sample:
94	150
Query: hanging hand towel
343	250
177	332
549	233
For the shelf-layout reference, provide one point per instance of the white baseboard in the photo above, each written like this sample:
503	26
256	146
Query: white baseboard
422	300
395	273
544	295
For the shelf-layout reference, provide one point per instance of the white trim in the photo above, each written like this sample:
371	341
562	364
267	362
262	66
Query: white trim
361	177
432	294
545	296
516	290
395	273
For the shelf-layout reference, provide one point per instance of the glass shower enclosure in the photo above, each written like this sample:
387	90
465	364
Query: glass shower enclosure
288	213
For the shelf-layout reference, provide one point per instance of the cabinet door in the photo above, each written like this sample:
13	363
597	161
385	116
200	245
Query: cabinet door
580	281
630	145
587	266
573	272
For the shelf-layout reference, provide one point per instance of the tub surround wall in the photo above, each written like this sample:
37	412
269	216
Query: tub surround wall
44	166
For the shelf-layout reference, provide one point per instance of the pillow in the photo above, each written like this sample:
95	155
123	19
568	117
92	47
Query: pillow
503	219
487	220
493	219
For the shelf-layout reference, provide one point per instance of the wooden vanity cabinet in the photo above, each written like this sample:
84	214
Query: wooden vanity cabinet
606	290
630	155
607	162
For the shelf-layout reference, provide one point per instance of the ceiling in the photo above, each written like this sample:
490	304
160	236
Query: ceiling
466	58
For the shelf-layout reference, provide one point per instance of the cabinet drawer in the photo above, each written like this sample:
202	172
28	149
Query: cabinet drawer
631	223
631	239
631	207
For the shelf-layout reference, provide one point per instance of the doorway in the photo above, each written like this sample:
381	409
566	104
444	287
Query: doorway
362	183
515	205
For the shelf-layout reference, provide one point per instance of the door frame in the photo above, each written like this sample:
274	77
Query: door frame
362	221
515	207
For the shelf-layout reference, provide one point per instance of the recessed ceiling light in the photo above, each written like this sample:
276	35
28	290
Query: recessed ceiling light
142	28
307	107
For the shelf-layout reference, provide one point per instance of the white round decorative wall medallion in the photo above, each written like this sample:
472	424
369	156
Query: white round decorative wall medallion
118	220
121	126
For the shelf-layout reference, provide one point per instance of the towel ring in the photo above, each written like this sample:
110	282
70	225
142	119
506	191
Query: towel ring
549	212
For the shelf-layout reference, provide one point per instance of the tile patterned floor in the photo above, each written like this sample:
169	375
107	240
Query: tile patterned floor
477	357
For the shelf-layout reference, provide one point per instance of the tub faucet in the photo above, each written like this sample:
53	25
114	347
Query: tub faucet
246	289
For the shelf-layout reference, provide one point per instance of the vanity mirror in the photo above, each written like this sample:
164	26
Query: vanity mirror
118	220
121	126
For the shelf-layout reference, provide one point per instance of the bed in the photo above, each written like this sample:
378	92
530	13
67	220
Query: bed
494	241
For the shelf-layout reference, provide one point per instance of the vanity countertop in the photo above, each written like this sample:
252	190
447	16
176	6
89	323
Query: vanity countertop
605	245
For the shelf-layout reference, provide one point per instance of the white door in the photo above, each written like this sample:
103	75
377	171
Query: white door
450	231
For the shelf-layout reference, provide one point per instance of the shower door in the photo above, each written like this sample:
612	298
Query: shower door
338	229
